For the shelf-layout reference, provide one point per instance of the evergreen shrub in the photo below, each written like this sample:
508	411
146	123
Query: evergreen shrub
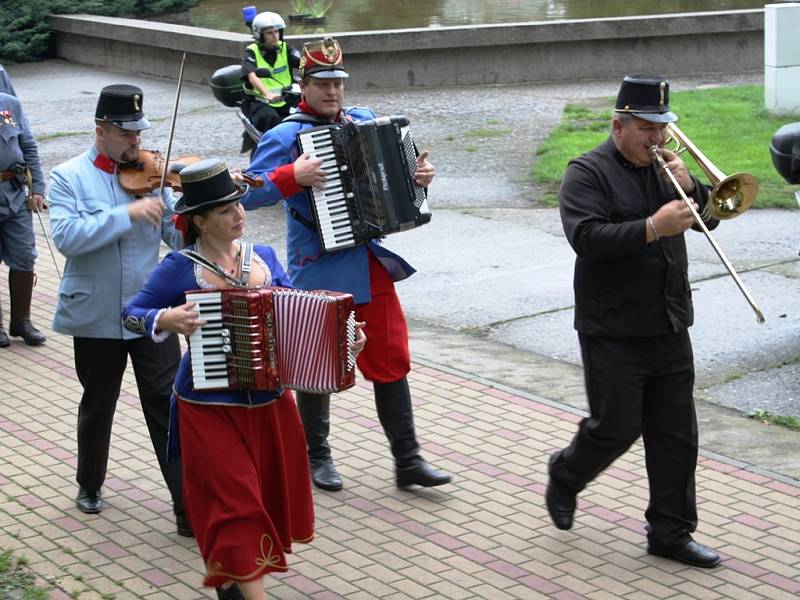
24	35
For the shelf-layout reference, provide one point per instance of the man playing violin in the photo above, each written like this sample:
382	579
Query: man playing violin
633	308
111	239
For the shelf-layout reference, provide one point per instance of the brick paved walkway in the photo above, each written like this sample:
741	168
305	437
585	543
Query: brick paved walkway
486	536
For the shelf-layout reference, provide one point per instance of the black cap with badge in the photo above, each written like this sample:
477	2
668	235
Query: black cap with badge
645	97
121	105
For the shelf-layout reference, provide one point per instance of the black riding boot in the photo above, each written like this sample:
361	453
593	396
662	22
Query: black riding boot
393	401
20	286
315	412
4	341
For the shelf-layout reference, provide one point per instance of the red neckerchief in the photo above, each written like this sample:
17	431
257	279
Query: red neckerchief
307	109
109	165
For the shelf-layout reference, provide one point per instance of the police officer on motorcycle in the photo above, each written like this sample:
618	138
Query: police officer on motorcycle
268	69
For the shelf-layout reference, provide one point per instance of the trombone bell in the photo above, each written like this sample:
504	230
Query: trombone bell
732	194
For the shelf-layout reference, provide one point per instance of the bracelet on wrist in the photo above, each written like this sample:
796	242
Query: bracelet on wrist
652	227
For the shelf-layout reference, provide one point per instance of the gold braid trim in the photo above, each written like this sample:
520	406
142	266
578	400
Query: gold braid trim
268	559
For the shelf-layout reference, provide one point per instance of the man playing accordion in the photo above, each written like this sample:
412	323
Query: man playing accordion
367	271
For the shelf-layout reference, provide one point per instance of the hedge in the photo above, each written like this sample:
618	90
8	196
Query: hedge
24	35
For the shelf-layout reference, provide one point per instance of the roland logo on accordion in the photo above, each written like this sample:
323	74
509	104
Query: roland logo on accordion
273	338
369	191
384	178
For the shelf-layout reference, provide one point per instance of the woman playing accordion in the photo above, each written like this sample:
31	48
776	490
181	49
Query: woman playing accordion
245	469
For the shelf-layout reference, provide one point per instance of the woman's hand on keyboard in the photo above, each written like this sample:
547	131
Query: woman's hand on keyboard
183	319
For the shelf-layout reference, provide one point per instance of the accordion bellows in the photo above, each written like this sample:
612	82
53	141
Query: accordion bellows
273	338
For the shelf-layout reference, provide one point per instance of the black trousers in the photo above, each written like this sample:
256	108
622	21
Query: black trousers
100	364
640	386
263	116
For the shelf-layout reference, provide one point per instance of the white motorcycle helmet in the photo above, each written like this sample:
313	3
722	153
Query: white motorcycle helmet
267	21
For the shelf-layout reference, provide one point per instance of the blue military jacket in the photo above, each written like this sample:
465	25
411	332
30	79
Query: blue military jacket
109	257
17	147
310	268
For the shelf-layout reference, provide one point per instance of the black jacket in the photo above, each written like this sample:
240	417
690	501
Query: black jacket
624	287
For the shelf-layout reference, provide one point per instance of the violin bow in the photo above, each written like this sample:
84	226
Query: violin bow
172	126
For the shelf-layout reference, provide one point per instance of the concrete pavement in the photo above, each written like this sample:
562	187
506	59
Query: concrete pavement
496	386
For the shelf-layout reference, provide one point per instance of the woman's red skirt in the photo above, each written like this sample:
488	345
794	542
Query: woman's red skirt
246	486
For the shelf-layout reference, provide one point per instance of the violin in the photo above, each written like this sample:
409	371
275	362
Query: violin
144	174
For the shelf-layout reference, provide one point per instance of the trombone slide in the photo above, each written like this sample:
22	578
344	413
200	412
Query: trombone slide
697	219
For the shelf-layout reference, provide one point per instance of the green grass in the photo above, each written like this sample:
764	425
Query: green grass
58	134
782	420
16	581
729	125
487	132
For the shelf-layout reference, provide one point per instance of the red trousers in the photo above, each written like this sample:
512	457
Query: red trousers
385	357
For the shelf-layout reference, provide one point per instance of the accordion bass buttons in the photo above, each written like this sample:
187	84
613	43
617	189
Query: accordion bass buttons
226	341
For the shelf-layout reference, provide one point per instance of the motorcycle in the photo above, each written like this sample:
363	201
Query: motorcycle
226	85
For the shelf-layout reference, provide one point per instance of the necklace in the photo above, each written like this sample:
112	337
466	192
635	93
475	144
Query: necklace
235	260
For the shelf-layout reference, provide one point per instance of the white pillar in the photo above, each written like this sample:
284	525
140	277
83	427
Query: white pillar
782	58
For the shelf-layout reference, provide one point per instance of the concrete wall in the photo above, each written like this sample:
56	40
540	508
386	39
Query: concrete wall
672	45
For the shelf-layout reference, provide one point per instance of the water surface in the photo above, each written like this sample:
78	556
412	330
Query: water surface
367	15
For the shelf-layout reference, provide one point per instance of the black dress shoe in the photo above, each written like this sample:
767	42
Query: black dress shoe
4	341
690	553
561	504
231	593
29	333
182	525
89	502
422	474
325	476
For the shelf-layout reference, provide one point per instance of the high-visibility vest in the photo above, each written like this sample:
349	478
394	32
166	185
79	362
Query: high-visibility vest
281	74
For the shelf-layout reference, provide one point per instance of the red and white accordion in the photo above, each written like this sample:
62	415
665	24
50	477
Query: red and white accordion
271	338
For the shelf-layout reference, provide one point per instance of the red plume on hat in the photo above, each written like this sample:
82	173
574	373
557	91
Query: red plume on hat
322	59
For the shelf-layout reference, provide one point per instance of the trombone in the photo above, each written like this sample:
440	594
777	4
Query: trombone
732	195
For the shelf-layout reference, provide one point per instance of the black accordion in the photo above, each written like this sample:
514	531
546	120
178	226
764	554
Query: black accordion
368	191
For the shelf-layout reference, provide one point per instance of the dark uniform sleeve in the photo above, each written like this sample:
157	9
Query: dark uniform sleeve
596	227
701	195
248	63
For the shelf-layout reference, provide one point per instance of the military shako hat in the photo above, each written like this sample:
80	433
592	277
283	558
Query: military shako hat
121	105
207	183
646	97
322	59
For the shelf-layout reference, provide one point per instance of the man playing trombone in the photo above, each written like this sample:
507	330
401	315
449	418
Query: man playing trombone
633	308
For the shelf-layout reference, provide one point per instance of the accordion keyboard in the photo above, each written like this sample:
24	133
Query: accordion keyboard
331	203
209	343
